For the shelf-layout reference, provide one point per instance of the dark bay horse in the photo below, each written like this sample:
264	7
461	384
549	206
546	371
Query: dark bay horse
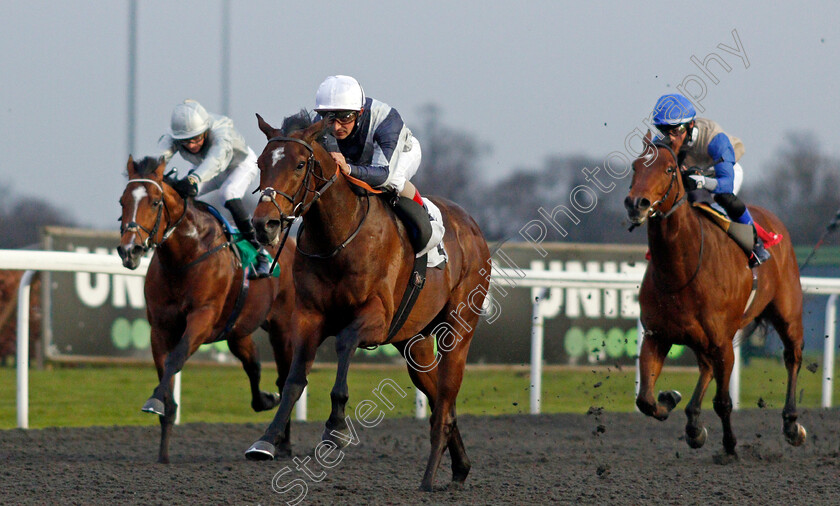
696	292
351	268
193	288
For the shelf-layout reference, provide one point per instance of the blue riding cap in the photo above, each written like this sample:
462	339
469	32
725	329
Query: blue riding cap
673	109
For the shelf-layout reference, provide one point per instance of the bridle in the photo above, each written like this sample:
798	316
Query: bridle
301	207
132	226
653	210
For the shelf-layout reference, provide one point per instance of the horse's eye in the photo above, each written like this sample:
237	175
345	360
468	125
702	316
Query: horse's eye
300	166
156	203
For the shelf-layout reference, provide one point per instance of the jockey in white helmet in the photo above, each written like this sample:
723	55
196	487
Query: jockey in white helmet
221	161
373	144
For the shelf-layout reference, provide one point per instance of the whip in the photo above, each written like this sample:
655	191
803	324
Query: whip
831	227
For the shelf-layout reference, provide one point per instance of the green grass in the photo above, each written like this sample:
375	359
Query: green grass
90	395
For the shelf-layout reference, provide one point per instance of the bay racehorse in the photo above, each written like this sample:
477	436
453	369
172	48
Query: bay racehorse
697	292
195	292
351	268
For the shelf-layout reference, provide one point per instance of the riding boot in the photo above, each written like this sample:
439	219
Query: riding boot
246	228
759	253
438	231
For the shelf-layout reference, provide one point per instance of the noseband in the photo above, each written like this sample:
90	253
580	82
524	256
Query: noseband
135	227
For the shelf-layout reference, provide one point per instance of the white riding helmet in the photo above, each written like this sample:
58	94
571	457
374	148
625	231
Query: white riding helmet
339	93
188	120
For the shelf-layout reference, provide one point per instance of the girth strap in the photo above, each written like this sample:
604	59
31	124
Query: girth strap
237	307
415	283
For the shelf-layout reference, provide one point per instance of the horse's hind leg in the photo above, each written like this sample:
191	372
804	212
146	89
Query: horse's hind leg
723	363
694	431
246	351
792	335
421	363
651	358
422	368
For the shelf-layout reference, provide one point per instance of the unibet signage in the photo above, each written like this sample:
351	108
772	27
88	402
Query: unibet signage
103	315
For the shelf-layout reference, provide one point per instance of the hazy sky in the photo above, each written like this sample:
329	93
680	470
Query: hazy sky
529	79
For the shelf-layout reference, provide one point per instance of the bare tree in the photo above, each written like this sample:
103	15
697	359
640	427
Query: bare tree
21	219
800	187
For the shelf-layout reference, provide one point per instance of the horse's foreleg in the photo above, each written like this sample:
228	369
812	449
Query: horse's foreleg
651	359
694	431
246	351
167	422
722	403
266	447
199	325
281	344
346	343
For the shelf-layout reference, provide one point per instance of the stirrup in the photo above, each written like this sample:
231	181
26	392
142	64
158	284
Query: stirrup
759	255
260	268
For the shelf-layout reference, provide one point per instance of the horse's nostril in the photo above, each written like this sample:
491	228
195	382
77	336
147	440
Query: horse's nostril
272	224
644	203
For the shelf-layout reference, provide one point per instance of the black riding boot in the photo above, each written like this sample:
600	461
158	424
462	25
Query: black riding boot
759	252
246	228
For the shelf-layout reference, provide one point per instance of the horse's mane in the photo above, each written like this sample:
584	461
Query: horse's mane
296	122
147	165
299	122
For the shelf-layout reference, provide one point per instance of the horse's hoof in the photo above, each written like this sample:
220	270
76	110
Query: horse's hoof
154	406
261	450
339	441
266	401
724	458
699	441
669	399
425	487
799	437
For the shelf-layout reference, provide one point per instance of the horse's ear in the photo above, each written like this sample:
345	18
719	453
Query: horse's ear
130	167
314	131
267	129
649	137
161	166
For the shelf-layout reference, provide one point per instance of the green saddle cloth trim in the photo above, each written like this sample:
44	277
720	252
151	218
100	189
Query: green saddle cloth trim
248	253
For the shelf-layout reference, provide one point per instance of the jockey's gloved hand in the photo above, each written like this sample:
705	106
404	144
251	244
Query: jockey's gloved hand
708	183
187	187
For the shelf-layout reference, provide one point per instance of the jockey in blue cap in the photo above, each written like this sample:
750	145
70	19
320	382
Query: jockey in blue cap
704	144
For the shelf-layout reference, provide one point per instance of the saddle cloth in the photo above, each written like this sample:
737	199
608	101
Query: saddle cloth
242	247
703	202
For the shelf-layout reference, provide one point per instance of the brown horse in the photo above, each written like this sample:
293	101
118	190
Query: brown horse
696	292
351	268
193	289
